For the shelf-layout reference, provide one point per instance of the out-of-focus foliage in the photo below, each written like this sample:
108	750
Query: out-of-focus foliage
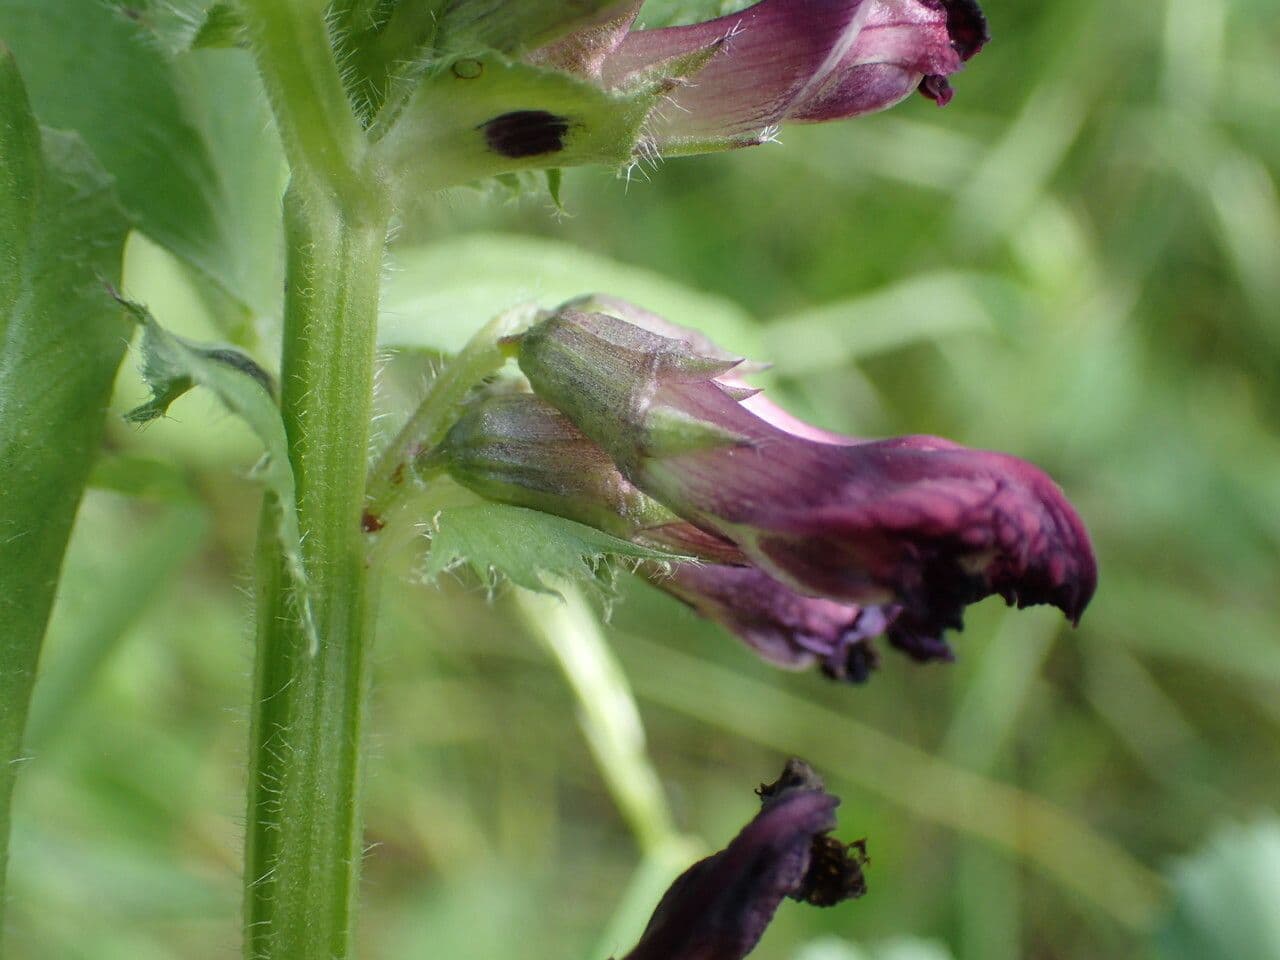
1078	261
1225	898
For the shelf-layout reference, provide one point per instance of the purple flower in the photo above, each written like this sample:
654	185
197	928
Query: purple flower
719	908
915	522
518	449
797	61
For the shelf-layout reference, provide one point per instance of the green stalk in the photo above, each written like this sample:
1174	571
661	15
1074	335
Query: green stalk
484	354
303	843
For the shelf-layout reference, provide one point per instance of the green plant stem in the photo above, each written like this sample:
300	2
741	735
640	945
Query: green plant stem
570	631
322	138
303	843
607	712
483	354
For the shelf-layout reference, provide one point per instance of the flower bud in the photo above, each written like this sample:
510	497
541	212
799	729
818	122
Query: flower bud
518	449
514	86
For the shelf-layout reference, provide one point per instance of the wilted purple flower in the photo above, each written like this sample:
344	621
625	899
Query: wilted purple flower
784	627
916	522
719	908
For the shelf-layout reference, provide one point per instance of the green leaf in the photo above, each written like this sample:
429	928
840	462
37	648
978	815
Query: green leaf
171	366
1224	904
188	144
437	296
61	338
524	546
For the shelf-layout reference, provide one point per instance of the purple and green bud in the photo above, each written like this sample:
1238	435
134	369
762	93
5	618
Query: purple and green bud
516	448
916	523
719	908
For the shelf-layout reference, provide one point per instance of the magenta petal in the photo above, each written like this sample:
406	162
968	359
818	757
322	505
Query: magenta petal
771	56
904	45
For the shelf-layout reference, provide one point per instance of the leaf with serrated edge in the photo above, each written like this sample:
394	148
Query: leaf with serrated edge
524	546
171	366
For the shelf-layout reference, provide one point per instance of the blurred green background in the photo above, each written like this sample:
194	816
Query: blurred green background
1078	261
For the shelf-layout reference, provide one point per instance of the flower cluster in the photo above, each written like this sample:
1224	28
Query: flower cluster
719	907
812	543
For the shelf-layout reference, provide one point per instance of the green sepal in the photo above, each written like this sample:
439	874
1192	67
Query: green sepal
669	432
439	138
555	181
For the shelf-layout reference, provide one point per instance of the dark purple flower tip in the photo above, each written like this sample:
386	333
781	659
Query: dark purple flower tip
967	25
967	29
719	908
785	628
942	527
904	45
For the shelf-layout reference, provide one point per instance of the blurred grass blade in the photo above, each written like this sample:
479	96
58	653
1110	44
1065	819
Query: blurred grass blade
983	728
438	296
570	631
926	307
61	339
608	715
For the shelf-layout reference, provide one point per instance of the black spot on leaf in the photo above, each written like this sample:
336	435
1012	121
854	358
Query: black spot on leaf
525	133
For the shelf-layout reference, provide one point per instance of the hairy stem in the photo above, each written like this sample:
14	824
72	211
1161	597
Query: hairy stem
322	138
426	427
303	844
303	832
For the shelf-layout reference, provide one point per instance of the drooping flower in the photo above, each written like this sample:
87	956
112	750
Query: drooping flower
719	908
528	85
919	523
518	449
